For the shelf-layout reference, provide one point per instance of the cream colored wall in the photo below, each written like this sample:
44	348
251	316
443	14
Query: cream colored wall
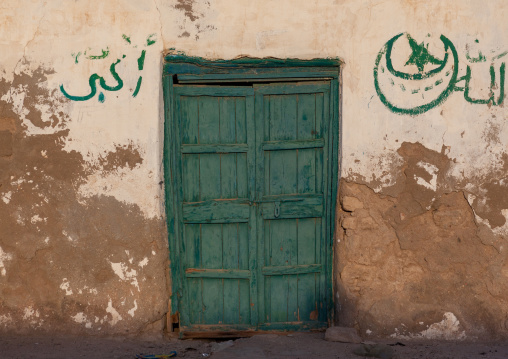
48	35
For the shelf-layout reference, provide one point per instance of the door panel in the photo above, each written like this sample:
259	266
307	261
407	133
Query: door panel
292	151
254	169
216	152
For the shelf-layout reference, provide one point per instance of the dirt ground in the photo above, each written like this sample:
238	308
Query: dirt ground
297	346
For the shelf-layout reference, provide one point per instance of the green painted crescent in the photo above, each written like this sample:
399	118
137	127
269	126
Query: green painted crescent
387	50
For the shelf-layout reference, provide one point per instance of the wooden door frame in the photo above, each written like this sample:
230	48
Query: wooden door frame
187	70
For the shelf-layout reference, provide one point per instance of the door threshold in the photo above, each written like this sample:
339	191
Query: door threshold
234	334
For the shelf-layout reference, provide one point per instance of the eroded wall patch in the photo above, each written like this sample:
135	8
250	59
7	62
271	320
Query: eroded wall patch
58	247
408	258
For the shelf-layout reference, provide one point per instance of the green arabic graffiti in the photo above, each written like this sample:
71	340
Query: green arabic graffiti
92	81
150	40
491	100
424	81
126	38
104	54
480	58
93	87
141	63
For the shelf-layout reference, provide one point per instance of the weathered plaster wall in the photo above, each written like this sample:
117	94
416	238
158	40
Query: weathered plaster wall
420	245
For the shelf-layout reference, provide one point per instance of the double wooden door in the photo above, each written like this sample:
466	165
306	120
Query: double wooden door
253	172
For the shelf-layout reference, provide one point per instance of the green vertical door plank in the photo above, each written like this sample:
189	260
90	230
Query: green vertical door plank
228	175
307	255
307	170
242	175
283	113
321	254
306	116
266	166
307	297
211	246
195	308
274	119
246	132
307	241
209	124
190	183
192	260
193	233
209	176
319	115
320	134
336	155
265	286
329	216
292	298
243	246
211	254
192	247
227	120
189	119
282	233
283	179
241	118
288	120
230	260
243	263
258	129
306	131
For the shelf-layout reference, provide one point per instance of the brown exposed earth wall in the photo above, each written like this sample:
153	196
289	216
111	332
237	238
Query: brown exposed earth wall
416	262
70	263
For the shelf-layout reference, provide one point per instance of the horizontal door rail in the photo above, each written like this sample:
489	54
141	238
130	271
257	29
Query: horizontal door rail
293	145
295	269
217	211
256	76
212	148
217	273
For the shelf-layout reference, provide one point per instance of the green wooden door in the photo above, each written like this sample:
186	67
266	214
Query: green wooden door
254	198
292	125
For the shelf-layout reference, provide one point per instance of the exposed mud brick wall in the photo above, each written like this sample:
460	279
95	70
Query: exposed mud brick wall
417	263
70	263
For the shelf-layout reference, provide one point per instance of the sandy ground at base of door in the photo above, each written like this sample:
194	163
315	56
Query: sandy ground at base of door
293	345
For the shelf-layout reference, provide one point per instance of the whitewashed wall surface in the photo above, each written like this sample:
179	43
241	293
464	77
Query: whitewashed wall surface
420	249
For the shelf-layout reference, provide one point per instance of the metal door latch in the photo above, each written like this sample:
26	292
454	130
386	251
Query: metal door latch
276	212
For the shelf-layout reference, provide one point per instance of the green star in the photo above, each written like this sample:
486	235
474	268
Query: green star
420	55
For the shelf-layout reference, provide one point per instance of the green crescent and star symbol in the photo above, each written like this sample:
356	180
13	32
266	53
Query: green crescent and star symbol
437	74
420	56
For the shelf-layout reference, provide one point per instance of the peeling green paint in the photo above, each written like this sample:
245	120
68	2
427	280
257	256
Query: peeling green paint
105	53
76	57
138	86
480	58
141	60
150	40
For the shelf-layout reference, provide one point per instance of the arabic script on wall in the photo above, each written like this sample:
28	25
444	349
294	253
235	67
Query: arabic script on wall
96	80
425	80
